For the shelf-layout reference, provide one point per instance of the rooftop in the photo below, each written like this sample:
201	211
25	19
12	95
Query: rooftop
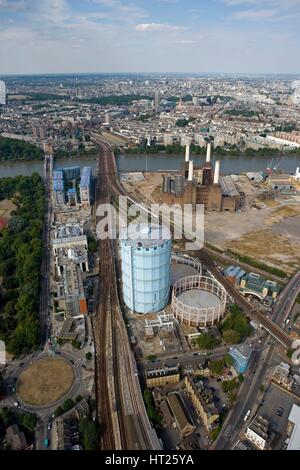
166	371
146	235
294	418
86	175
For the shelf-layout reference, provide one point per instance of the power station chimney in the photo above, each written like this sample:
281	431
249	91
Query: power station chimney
217	172
187	152
208	152
191	171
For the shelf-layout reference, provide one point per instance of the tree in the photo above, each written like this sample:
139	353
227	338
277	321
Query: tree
88	356
6	416
217	367
90	434
92	245
29	421
207	341
231	336
68	405
58	412
76	344
229	361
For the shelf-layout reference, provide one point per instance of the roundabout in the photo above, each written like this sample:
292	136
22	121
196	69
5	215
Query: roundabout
45	381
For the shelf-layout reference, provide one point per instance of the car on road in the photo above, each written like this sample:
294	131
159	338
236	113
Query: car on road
46	443
280	412
17	404
247	415
49	425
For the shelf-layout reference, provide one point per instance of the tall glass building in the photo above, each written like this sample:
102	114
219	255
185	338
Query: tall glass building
241	354
146	267
2	92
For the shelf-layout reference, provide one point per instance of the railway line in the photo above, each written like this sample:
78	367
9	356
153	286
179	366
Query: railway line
112	346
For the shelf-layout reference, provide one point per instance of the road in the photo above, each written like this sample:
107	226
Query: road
287	300
45	266
265	360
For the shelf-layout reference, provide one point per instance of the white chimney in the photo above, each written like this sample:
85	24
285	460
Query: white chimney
191	171
187	153
217	172
208	152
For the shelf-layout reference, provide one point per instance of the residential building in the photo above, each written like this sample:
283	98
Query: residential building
203	403
282	376
258	432
86	186
183	423
58	188
16	438
161	377
294	428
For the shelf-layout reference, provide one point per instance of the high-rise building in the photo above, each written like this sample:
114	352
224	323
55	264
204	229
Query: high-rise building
86	186
146	267
2	92
58	188
156	100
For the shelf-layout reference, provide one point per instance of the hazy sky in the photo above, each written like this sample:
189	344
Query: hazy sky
48	36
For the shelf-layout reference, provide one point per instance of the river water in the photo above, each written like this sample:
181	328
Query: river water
126	163
240	164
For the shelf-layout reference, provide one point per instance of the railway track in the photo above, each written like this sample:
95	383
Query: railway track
142	437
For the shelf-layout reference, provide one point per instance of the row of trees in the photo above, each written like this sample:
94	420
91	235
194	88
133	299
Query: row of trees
21	251
177	149
150	407
13	149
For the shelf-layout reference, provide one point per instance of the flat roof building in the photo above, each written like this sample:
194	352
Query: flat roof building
163	376
241	354
86	186
294	428
258	432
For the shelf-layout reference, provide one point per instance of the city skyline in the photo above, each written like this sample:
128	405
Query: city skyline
163	36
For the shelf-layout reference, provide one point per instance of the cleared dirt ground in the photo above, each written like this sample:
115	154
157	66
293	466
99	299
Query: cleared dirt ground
6	207
45	381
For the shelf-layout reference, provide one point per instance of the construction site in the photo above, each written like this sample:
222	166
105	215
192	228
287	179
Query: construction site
241	210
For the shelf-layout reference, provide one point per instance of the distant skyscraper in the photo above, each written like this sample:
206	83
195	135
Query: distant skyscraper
156	100
2	92
296	95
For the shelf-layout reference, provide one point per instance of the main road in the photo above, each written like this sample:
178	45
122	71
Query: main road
45	266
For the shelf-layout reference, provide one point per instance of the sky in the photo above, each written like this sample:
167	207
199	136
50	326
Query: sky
73	36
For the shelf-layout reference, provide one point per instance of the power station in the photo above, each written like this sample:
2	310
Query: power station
146	267
202	185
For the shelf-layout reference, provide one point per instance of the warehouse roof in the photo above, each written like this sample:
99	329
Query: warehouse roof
228	186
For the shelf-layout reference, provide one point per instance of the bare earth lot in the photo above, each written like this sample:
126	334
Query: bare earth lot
6	207
45	381
270	234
